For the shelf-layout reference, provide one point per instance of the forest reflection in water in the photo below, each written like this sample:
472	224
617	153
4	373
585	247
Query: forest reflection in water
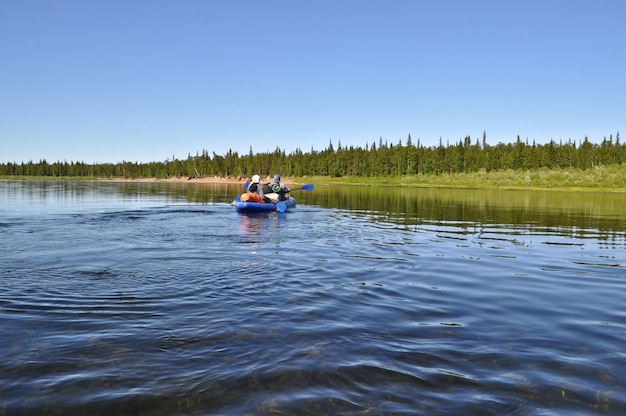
404	206
412	206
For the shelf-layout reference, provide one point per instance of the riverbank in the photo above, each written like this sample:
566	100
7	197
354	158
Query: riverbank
598	179
208	179
175	179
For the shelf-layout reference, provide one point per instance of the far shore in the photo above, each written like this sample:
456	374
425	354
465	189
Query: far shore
203	179
601	178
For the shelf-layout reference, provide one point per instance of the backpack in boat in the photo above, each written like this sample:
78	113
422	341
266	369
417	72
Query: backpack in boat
251	197
273	187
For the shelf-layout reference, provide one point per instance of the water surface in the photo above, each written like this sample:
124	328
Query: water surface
122	298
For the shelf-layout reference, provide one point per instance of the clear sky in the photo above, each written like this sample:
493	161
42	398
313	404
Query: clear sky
145	80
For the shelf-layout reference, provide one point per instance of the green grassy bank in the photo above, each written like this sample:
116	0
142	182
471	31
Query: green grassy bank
598	179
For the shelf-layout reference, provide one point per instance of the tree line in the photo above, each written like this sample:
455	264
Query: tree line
382	159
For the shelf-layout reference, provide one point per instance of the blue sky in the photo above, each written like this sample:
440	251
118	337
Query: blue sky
145	80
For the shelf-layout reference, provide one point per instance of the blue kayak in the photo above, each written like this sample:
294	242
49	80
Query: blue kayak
280	206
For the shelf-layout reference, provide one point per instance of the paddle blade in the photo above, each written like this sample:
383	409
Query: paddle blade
281	207
246	185
307	187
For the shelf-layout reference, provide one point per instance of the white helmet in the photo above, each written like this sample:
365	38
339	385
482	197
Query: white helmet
256	179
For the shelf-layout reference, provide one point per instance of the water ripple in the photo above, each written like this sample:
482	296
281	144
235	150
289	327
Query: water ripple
167	309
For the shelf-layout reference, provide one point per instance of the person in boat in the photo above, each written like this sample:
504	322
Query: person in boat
254	193
275	191
255	186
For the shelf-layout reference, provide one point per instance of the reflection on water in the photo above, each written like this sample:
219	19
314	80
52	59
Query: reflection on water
159	298
68	192
404	206
570	211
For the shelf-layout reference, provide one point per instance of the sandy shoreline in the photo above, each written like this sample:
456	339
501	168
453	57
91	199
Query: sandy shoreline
206	179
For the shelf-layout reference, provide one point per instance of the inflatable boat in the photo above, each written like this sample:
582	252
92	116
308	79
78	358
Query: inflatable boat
248	206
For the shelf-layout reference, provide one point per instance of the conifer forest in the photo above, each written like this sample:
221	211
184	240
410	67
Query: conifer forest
374	160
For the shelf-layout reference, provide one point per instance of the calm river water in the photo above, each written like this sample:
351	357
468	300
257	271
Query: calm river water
160	299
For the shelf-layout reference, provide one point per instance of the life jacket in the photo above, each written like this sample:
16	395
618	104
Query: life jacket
253	187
